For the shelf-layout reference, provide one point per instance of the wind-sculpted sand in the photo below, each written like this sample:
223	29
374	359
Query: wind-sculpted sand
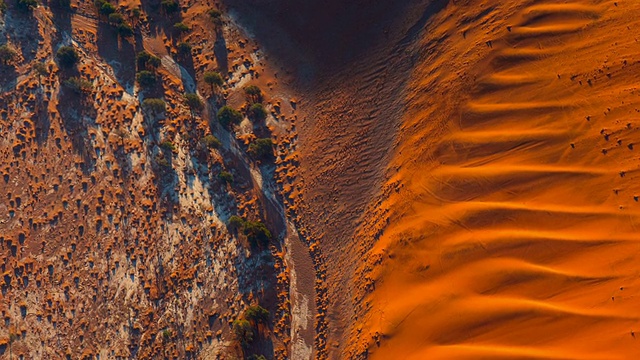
510	215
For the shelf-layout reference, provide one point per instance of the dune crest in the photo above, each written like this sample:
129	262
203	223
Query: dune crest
508	227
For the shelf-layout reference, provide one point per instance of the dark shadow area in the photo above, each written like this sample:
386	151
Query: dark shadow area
8	77
41	118
24	29
76	109
118	53
221	53
316	36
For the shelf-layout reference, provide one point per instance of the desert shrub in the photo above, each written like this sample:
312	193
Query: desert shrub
257	112
214	13
170	6
41	69
105	8
167	145
226	177
116	18
27	5
211	142
228	116
67	56
7	54
235	222
253	93
257	233
243	331
261	148
193	101
184	48
144	60
213	78
125	30
156	106
78	85
180	27
257	314
146	79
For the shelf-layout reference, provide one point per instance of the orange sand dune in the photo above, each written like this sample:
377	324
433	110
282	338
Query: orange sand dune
512	195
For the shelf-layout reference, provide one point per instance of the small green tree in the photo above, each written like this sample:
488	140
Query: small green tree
226	177
243	332
211	142
116	18
125	30
261	148
257	314
167	145
41	70
228	116
180	27
184	48
7	54
235	222
253	94
106	8
146	79
193	101
257	112
146	61
257	233
154	106
67	56
78	85
214	79
170	6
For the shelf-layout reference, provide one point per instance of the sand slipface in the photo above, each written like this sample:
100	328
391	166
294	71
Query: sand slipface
512	194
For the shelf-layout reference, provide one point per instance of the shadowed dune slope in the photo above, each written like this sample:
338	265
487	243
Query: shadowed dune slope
510	216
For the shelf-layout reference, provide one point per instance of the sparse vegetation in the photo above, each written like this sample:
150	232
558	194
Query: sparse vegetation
257	112
261	148
226	177
228	116
214	13
3	6
211	142
67	56
78	85
7	54
193	101
125	30
41	69
167	145
235	222
146	79
257	233
253	94
184	48
214	79
180	27
257	314
146	61
155	106
116	18
104	7
170	6
243	332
